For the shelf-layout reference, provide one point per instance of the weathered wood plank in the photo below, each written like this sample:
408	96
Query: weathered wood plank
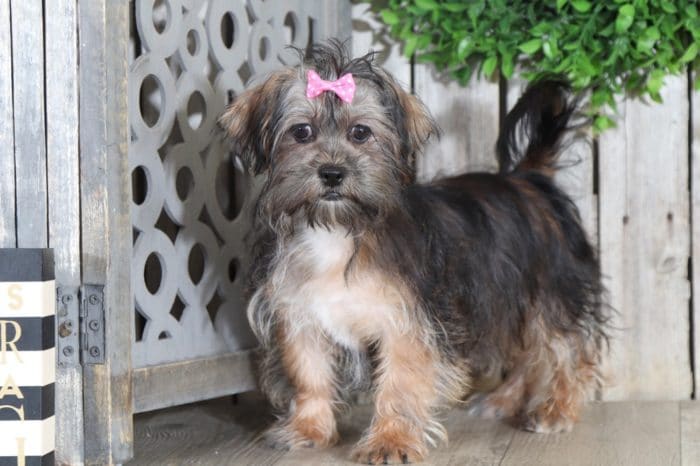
7	137
644	239
695	230
369	35
627	433
188	381
29	131
106	223
468	117
62	153
623	434
690	433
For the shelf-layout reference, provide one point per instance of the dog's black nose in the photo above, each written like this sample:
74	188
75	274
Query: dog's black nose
331	175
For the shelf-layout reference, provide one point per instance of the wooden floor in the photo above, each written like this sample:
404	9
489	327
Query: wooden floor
220	432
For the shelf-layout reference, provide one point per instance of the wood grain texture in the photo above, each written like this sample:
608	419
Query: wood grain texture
7	138
621	434
690	433
183	382
644	239
469	118
695	229
29	127
626	433
62	153
106	223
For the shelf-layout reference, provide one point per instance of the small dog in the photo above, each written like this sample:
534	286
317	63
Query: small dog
480	285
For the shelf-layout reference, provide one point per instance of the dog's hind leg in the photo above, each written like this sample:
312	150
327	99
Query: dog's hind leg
505	401
562	374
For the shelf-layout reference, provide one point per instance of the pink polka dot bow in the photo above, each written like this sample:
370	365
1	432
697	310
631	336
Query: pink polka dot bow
344	87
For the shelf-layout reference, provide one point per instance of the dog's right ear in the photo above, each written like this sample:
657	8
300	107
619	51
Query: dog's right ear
250	121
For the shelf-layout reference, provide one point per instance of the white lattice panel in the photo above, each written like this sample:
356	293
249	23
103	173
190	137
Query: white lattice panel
189	58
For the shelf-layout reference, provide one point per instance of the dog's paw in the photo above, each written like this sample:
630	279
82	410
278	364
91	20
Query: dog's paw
387	452
289	436
550	424
485	406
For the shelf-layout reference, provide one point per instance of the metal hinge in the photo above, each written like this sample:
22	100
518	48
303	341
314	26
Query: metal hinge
80	325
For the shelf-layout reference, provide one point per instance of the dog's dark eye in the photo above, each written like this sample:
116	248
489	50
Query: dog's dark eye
360	133
302	132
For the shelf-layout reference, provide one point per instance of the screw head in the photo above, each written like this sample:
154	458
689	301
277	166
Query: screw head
68	351
94	351
94	325
66	298
94	299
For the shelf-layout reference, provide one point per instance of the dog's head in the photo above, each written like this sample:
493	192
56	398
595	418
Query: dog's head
326	160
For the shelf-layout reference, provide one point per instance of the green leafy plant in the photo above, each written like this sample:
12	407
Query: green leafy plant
607	47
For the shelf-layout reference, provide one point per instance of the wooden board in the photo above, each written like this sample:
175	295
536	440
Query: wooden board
106	224
62	161
184	382
623	434
469	118
690	433
644	238
7	137
695	232
627	433
29	129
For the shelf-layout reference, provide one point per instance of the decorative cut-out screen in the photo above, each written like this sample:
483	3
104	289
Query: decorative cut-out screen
188	59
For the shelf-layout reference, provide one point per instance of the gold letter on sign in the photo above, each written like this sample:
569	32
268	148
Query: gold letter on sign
9	387
5	343
20	451
13	291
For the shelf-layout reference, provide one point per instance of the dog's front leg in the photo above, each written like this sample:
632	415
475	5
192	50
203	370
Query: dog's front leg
405	400
307	358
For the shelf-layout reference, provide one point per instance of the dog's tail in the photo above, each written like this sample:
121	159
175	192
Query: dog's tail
532	132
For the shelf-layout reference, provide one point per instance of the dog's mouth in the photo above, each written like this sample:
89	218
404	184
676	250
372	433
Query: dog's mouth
331	196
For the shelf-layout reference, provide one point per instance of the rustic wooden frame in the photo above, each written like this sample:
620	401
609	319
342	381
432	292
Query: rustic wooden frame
106	225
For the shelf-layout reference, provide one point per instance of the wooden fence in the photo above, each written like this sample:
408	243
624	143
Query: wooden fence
638	189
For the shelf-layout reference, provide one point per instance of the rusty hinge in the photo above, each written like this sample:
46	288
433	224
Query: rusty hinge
80	325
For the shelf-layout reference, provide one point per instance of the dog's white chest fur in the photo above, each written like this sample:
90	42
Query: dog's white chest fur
349	308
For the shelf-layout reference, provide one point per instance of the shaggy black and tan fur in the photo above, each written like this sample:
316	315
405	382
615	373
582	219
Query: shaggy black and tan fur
480	285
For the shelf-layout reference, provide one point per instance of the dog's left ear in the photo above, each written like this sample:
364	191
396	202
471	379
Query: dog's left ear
251	119
414	122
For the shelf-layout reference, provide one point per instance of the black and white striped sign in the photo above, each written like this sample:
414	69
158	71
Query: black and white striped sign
27	357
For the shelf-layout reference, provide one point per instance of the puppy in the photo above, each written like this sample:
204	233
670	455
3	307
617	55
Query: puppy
422	293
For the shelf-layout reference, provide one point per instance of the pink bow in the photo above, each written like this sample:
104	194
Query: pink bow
344	87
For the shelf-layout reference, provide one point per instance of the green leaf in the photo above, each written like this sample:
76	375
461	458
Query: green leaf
410	45
602	122
690	53
625	18
582	6
475	9
427	4
455	7
507	66
560	4
648	38
655	81
463	48
389	17
531	46
668	6
489	65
